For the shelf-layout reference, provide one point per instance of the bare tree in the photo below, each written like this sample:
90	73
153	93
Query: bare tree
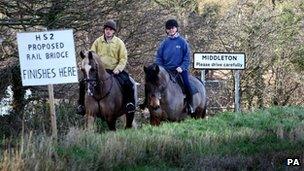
269	38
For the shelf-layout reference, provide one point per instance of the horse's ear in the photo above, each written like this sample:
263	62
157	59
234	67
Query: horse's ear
156	68
145	69
82	55
90	55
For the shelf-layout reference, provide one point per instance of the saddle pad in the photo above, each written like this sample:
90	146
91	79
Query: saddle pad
177	78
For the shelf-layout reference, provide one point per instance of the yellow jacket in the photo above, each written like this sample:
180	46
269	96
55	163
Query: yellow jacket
113	54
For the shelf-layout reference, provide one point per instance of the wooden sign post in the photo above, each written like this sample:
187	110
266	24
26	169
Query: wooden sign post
52	110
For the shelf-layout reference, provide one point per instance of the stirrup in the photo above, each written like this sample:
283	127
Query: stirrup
130	107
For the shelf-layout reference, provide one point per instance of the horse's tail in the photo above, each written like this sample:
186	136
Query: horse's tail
135	84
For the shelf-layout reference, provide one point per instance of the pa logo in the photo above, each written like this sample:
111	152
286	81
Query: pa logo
293	162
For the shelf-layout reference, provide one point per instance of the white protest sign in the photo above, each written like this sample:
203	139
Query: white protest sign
47	57
211	60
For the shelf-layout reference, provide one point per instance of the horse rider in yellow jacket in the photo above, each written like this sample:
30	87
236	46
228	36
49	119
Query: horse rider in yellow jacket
114	56
113	53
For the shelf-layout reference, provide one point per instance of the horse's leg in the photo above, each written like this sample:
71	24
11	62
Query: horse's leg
199	113
129	118
89	122
155	121
204	112
111	124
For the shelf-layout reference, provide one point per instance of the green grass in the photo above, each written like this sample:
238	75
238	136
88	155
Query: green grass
258	140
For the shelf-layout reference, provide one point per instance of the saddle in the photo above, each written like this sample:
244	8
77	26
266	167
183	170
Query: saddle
177	78
122	78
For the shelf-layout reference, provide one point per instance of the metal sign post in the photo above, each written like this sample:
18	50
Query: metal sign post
203	75
224	61
237	97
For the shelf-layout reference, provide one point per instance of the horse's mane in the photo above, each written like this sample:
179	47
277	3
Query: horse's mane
152	72
97	59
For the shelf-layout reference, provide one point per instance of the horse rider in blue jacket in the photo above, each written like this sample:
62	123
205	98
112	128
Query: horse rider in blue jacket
174	55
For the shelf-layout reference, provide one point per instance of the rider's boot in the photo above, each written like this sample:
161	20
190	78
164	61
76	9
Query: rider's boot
129	99
189	98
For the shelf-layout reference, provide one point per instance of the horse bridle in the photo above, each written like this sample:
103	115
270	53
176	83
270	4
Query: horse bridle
94	80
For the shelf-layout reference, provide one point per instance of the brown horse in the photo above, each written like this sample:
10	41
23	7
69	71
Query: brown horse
166	98
104	97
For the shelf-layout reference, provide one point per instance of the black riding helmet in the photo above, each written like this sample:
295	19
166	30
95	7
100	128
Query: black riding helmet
171	23
111	24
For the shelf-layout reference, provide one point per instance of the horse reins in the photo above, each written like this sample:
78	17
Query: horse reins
111	76
173	75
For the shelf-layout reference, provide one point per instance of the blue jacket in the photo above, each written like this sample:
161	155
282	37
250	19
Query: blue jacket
173	52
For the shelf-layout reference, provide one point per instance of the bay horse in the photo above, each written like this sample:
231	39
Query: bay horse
104	97
166	98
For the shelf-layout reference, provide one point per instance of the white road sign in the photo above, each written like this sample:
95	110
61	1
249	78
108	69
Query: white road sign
210	60
47	57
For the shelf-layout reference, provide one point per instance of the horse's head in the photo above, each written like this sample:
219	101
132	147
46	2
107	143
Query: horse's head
156	83
89	67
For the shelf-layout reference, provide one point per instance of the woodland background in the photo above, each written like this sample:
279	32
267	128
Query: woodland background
270	32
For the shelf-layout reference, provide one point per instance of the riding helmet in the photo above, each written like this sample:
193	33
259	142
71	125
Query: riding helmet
111	24
171	23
